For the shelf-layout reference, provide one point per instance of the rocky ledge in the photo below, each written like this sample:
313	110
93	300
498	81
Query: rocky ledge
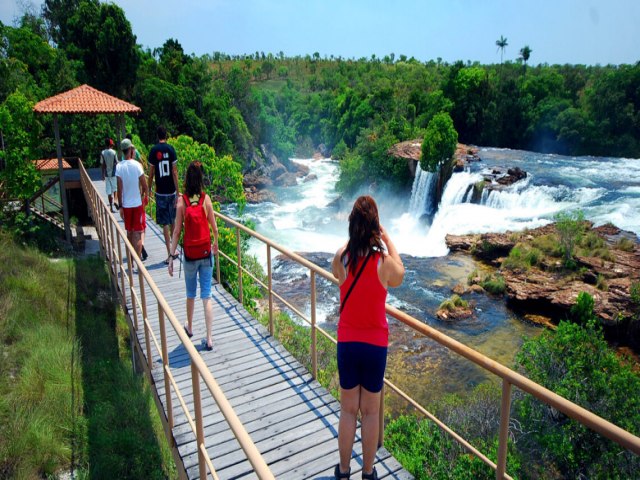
548	288
271	172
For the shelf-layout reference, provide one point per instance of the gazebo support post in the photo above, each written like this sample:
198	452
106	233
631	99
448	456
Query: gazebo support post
63	191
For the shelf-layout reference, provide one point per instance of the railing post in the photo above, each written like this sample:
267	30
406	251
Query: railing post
111	246
102	237
381	419
505	415
197	411
217	255
134	307
165	367
270	283
122	273
239	252
103	226
143	306
314	350
218	265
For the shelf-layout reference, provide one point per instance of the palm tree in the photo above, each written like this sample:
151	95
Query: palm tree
502	44
525	53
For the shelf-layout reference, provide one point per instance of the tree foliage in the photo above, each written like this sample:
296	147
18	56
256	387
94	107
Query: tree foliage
439	143
576	362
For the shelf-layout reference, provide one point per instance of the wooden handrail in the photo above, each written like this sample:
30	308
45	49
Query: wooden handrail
114	233
508	376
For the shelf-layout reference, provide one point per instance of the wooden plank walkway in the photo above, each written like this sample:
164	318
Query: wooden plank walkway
290	417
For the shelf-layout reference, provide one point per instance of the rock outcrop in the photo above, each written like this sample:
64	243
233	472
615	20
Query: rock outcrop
271	172
411	150
550	290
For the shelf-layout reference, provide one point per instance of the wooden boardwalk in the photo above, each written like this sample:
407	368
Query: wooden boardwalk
290	417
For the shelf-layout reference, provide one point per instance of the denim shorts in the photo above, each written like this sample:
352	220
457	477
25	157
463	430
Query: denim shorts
198	268
362	364
165	209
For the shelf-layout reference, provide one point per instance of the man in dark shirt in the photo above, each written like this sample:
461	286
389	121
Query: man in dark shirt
164	170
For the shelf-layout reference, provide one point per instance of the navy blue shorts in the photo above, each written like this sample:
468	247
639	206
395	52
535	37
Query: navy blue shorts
361	364
165	209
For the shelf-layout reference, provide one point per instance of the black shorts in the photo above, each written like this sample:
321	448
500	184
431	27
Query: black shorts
361	364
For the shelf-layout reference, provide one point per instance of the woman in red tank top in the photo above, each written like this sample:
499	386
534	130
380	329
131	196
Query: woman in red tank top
364	269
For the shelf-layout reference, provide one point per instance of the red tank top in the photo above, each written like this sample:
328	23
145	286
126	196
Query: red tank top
363	318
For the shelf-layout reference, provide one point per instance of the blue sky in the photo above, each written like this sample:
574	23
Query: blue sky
557	31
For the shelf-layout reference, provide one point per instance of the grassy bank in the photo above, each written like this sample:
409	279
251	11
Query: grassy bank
68	398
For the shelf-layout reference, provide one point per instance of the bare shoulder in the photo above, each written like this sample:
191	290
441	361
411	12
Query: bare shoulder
336	265
391	271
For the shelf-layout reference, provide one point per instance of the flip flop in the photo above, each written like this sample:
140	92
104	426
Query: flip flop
187	331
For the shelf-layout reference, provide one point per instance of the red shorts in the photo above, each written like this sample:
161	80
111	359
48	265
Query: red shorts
134	219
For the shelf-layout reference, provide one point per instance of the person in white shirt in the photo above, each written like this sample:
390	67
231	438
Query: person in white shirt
133	192
108	162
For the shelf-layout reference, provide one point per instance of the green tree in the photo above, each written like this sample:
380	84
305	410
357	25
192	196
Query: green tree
570	227
525	53
439	143
99	37
20	131
502	44
576	362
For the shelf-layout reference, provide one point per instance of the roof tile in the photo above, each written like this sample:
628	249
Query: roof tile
84	99
50	164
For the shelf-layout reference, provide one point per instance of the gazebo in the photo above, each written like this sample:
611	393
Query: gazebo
88	101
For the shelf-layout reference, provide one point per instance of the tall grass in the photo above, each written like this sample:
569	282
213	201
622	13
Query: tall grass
69	401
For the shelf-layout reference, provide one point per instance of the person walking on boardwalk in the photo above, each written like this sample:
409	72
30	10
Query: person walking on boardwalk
195	211
364	271
108	162
138	158
163	169
132	192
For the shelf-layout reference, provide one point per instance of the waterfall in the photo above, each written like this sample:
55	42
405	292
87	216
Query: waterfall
421	193
459	187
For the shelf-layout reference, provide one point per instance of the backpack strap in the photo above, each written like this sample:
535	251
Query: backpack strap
355	280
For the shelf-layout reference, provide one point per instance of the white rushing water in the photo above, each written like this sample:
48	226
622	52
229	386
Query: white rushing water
605	189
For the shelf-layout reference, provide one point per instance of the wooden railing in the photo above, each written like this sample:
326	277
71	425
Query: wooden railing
39	195
509	377
115	248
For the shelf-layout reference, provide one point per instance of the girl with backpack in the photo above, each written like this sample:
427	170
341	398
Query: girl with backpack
195	211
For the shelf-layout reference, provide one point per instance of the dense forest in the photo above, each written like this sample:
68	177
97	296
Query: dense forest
352	108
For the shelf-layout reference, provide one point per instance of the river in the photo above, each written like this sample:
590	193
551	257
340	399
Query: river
605	189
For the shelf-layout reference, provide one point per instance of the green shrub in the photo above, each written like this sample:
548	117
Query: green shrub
576	362
494	284
549	244
604	253
522	258
625	244
471	279
30	230
592	241
427	453
582	311
601	283
452	303
570	227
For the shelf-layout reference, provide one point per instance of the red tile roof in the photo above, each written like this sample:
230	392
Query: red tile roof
84	99
50	164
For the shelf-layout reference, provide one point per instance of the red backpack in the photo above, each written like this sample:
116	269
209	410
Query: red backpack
197	236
